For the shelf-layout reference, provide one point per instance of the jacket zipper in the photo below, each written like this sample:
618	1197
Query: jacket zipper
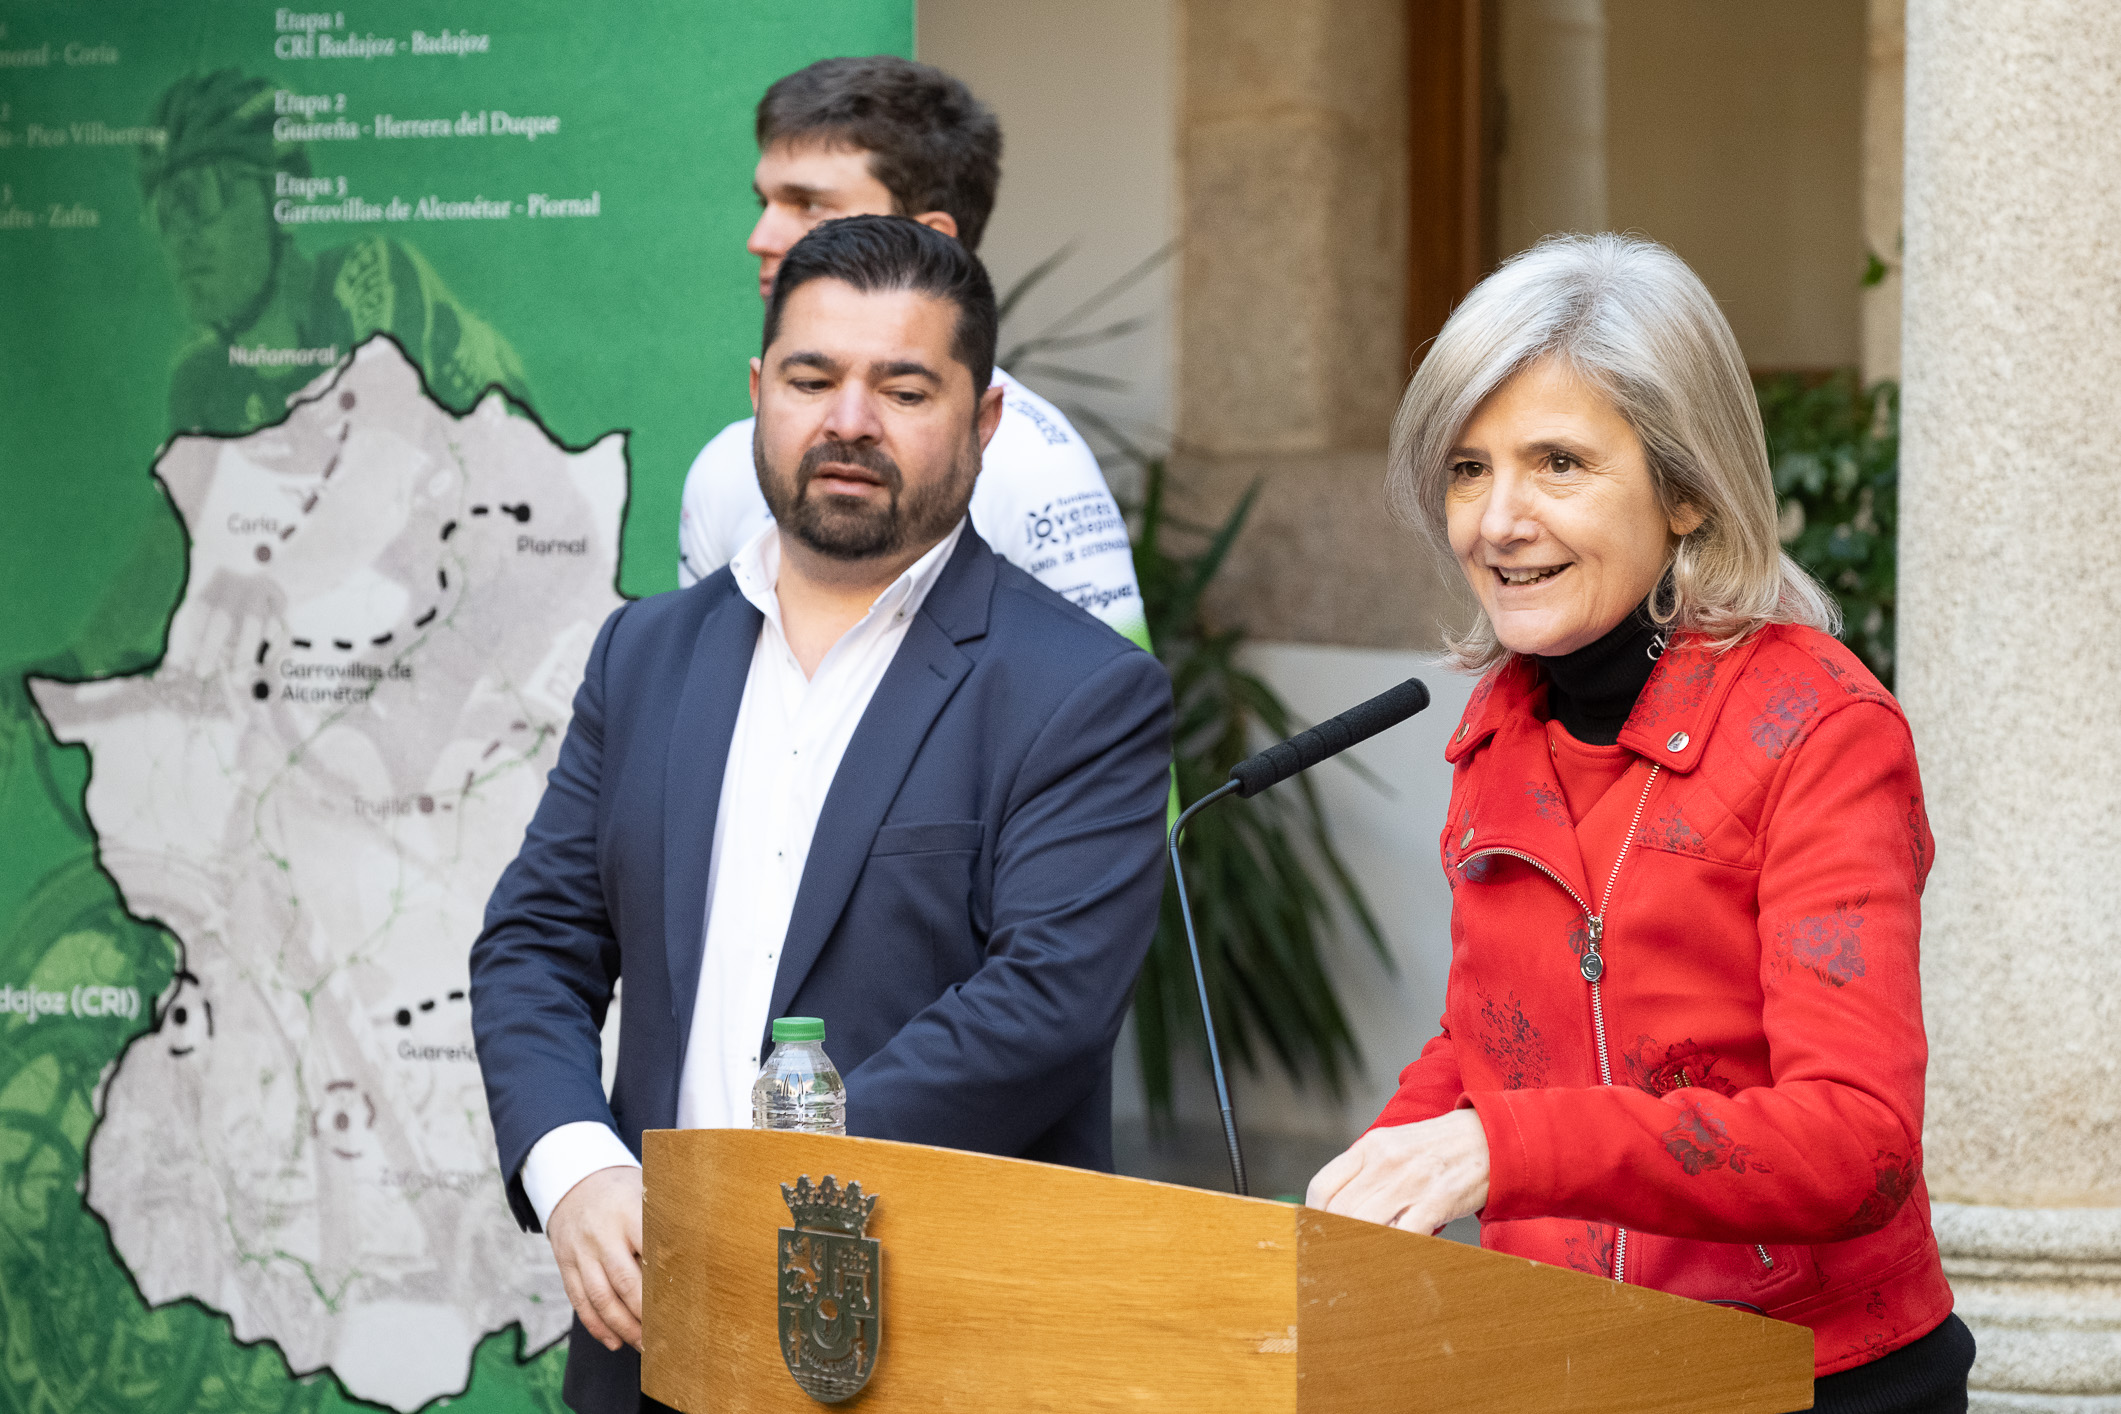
1593	966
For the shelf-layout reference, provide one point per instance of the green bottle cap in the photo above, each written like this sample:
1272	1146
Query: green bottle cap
797	1028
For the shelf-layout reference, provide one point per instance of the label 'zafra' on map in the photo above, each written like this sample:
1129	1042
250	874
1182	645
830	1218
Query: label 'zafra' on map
366	681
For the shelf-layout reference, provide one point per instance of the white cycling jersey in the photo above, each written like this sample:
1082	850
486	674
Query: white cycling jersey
1040	502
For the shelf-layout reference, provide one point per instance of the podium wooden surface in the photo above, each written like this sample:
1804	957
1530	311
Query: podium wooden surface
1010	1285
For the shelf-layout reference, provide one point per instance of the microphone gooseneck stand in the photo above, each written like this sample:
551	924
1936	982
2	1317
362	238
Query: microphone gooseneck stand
1200	981
1248	778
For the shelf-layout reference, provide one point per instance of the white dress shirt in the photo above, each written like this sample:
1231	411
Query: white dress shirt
791	732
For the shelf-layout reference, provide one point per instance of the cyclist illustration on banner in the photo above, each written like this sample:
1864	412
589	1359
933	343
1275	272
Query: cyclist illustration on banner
269	318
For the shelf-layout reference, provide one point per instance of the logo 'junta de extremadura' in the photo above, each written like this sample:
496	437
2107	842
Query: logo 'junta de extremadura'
831	1289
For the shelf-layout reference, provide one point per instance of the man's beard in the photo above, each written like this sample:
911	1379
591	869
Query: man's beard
846	528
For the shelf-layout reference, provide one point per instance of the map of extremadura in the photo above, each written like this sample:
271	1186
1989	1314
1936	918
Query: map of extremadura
385	615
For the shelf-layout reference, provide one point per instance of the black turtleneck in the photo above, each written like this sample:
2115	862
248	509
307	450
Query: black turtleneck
1592	690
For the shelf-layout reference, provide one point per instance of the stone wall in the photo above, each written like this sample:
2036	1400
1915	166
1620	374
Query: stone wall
1292	293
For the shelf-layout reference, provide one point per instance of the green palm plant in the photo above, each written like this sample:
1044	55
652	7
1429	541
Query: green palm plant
1835	446
1267	884
1269	889
1030	356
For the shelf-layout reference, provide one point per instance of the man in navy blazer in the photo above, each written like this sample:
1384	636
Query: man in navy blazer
983	867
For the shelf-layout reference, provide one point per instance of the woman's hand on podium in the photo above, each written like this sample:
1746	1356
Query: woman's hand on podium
1412	1176
595	1231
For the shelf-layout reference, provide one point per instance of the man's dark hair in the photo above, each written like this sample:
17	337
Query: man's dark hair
930	142
876	254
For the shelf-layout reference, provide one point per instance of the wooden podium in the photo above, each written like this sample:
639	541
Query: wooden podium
1010	1285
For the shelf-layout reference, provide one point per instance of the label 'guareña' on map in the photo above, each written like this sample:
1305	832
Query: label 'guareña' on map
386	613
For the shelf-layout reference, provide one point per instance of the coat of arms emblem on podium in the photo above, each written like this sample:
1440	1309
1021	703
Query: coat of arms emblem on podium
831	1289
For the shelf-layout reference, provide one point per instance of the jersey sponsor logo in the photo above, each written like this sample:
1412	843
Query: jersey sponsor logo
1096	597
1055	434
1064	523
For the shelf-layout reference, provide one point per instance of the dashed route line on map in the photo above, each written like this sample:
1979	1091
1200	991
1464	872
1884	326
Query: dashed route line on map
181	1015
242	1251
262	691
520	512
404	1014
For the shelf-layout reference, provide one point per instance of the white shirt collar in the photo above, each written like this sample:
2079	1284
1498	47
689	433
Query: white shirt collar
757	570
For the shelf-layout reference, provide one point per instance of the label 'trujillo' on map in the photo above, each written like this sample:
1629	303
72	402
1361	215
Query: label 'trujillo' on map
365	684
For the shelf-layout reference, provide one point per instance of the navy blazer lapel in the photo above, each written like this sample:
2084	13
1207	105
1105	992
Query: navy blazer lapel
922	677
692	789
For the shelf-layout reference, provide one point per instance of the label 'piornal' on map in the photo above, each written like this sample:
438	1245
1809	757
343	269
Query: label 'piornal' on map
365	684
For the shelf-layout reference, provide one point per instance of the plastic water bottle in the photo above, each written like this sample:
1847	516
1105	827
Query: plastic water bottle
798	1087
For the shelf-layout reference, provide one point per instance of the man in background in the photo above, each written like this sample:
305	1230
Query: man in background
885	136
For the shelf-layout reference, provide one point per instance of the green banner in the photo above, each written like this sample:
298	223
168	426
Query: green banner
350	364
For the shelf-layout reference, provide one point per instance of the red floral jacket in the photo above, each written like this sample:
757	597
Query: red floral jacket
1703	1072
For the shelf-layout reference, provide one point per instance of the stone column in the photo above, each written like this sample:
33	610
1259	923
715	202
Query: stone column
1293	207
2010	667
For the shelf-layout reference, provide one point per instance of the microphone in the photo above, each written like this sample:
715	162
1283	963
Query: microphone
1248	778
1329	738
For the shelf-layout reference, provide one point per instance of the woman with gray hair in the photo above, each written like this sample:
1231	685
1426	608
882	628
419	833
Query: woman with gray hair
1682	1043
